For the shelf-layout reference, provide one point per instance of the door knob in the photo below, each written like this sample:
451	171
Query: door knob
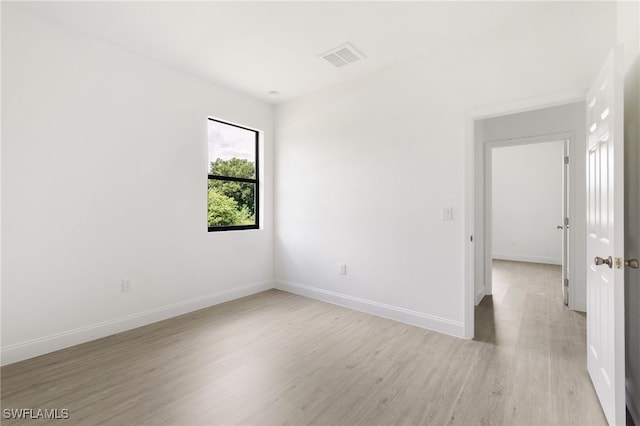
560	227
600	261
632	263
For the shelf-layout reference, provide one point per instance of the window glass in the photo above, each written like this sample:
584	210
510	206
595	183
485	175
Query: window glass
232	189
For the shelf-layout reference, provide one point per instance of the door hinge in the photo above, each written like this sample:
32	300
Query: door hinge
566	221
566	282
566	159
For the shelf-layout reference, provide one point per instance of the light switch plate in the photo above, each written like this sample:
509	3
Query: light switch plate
343	269
447	213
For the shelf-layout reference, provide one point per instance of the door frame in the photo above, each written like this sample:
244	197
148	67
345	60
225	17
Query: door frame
568	140
472	205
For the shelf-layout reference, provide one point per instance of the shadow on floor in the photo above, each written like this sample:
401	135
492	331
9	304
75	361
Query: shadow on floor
485	324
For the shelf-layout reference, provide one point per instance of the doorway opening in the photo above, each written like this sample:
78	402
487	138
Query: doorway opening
560	127
526	248
527	208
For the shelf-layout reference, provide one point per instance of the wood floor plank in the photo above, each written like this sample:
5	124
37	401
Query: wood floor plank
278	358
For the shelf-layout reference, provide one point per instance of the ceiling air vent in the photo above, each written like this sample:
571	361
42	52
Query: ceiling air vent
343	55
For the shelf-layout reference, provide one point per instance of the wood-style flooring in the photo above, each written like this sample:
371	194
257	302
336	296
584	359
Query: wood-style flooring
279	358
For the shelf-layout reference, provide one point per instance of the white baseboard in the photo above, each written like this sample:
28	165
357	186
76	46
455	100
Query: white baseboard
633	400
527	258
430	322
31	348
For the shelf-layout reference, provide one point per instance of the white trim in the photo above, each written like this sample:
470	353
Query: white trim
430	322
480	296
528	258
31	348
470	238
530	140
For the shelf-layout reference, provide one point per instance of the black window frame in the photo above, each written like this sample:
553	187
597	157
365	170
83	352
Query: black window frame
255	181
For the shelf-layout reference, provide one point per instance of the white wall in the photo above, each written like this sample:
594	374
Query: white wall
629	36
363	169
527	202
103	178
563	119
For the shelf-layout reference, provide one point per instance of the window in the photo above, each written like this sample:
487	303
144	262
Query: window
232	177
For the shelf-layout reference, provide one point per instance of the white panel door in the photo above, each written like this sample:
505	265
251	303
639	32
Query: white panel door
605	239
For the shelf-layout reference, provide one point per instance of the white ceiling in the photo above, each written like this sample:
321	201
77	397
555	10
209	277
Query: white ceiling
257	47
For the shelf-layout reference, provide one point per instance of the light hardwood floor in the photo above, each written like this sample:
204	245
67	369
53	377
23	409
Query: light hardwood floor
278	358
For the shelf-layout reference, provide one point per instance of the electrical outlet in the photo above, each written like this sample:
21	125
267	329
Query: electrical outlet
126	286
343	269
